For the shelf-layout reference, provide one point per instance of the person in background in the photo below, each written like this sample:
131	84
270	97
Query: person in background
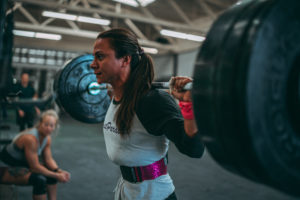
141	120
26	113
21	159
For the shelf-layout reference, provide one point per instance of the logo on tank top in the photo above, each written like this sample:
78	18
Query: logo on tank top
108	126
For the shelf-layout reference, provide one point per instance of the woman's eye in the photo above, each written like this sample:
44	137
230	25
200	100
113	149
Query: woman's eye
99	56
50	125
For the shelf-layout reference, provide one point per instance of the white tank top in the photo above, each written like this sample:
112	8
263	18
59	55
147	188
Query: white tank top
18	153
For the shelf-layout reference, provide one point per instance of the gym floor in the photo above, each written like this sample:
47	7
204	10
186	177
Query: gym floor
79	148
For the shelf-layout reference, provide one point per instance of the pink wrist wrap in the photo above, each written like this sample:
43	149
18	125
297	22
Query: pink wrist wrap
186	109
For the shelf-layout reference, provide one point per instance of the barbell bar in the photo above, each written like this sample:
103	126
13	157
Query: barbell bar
94	88
246	92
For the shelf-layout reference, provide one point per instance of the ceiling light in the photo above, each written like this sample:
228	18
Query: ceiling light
128	2
93	20
182	35
90	20
48	36
32	34
59	15
24	33
144	3
134	3
150	50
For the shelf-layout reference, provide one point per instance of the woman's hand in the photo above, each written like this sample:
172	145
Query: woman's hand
176	86
63	176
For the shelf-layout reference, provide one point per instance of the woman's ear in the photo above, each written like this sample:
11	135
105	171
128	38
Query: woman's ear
127	60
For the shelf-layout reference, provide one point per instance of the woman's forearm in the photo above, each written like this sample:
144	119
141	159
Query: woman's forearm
40	169
190	127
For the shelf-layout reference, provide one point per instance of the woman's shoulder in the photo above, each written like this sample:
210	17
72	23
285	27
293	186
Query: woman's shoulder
157	95
25	138
156	99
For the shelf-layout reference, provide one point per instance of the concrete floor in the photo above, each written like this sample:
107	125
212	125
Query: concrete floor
79	148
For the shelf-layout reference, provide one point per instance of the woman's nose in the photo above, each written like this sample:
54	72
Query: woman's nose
93	65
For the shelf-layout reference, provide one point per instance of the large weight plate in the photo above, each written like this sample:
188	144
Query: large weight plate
71	87
228	80
245	129
269	93
207	75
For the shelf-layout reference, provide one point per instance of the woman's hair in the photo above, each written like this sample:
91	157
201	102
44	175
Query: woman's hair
125	43
50	112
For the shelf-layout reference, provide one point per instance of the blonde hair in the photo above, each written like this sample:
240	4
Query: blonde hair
52	113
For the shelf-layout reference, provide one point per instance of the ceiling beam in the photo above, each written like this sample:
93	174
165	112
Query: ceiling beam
53	5
102	4
49	20
57	29
82	33
157	27
223	4
135	29
28	15
180	12
207	9
16	7
72	25
96	15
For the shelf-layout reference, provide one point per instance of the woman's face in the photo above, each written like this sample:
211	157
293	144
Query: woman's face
106	66
48	125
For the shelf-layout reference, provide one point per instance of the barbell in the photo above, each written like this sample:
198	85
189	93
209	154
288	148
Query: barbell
246	92
94	87
79	94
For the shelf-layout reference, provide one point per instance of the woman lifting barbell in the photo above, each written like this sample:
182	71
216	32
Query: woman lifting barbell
22	159
140	121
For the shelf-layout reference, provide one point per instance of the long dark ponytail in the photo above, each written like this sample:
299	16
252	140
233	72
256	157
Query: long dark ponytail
141	75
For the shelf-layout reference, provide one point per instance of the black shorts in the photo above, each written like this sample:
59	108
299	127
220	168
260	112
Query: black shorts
9	160
2	171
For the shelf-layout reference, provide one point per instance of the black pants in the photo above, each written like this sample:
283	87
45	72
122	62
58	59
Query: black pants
172	197
26	120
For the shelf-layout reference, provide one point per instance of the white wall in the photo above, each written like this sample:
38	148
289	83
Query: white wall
163	67
186	63
164	64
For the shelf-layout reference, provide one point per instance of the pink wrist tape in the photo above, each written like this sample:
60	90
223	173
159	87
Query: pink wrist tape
186	109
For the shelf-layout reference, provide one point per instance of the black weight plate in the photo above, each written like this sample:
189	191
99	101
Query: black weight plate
204	78
229	95
274	61
224	104
213	79
72	94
